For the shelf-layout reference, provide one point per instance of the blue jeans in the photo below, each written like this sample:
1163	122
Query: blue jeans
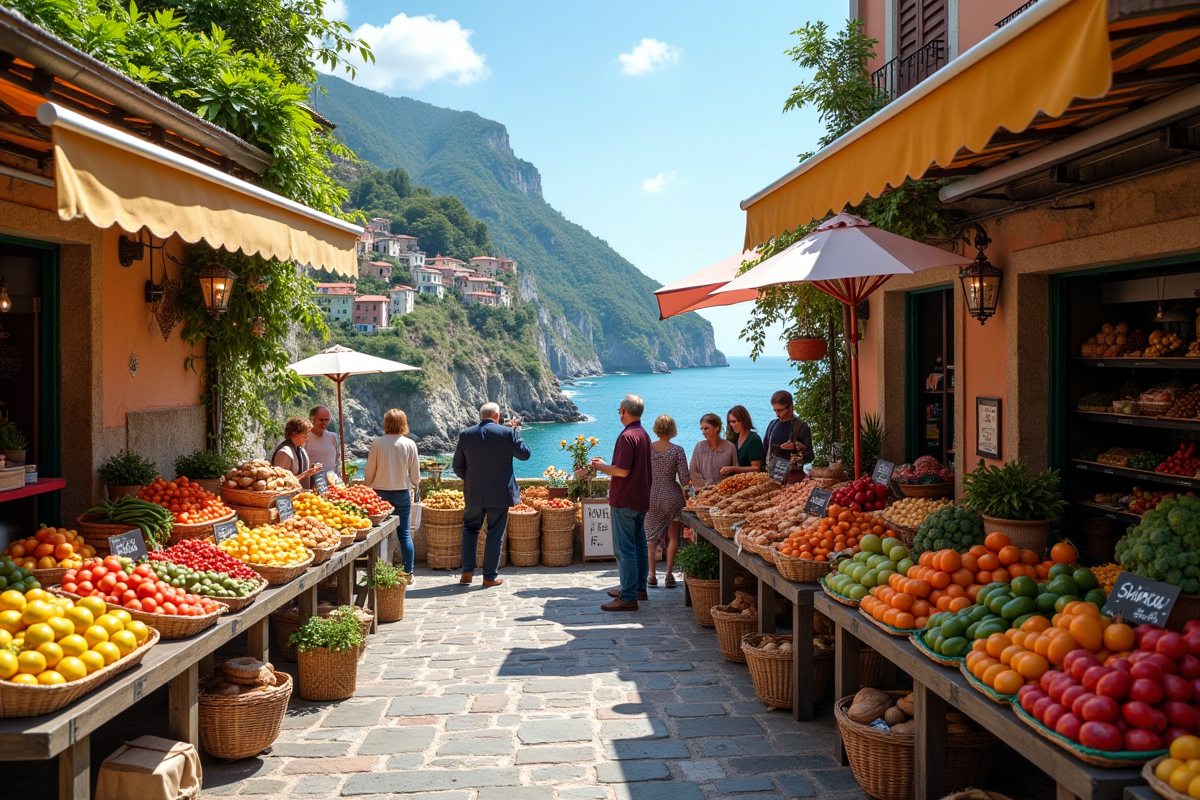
629	545
497	524
401	501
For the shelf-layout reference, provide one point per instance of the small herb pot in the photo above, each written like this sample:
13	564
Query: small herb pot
15	458
557	491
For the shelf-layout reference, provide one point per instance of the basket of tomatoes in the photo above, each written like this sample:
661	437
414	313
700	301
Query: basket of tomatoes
195	509
365	498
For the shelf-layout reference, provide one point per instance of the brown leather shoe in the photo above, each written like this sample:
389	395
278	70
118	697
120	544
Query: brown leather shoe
466	577
617	593
620	605
496	582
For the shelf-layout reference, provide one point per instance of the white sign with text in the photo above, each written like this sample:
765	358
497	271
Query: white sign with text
597	530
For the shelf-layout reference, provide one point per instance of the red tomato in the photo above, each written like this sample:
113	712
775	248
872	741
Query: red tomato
1053	714
149	605
1101	709
1101	736
1068	725
85	588
134	604
127	595
1142	715
1176	688
1138	740
1147	691
1079	702
1092	677
1070	694
1115	685
1181	715
1171	645
170	608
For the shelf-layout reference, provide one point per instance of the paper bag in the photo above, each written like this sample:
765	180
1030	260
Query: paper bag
150	768
414	517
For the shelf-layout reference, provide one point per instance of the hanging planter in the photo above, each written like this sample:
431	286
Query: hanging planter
807	349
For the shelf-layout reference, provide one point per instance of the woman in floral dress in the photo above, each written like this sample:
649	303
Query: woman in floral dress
669	468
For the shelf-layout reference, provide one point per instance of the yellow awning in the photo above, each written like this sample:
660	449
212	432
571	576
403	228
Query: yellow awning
1051	54
111	177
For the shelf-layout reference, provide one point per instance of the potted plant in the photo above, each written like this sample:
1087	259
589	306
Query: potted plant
579	449
806	335
701	566
556	481
205	467
830	471
1015	502
13	443
127	473
390	582
327	649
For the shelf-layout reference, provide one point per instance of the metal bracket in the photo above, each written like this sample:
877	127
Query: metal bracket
129	251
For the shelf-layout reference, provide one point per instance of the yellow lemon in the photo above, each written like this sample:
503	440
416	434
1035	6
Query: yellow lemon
92	660
6	639
64	604
95	635
110	623
72	669
12	599
52	652
38	634
125	641
10	620
139	629
38	594
61	626
80	617
38	611
1180	778
50	678
31	662
8	664
26	679
73	645
109	650
122	615
1193	790
93	604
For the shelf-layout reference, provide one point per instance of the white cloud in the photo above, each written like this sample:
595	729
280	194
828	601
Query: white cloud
659	183
336	10
412	52
649	55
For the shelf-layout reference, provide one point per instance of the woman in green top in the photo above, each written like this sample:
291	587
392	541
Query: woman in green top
749	444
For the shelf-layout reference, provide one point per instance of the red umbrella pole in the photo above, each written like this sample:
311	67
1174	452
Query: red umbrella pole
854	389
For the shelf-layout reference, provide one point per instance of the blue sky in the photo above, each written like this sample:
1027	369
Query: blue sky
649	122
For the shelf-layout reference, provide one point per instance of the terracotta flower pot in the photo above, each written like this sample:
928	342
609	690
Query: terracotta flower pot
1028	535
807	349
557	491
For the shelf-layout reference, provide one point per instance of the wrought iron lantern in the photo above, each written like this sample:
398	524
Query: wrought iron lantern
216	282
981	280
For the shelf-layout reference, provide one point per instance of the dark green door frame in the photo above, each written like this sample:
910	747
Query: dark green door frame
912	383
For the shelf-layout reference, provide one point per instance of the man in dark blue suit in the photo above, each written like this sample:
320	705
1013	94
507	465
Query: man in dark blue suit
484	461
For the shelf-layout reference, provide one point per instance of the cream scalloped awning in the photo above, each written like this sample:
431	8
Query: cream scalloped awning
113	178
1052	54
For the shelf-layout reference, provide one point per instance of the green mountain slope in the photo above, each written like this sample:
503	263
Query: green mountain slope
595	309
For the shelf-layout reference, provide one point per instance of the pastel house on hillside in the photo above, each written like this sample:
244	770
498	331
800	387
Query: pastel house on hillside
403	300
429	281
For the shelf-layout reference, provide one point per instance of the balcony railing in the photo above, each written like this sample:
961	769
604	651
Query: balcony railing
901	74
1016	14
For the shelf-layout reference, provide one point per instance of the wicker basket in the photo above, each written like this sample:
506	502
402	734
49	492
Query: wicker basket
883	761
442	516
906	535
49	577
345	541
731	627
278	575
379	519
771	671
1025	535
524	538
835	472
558	546
1154	409
328	674
238	603
390	603
323	554
823	625
557	519
762	551
705	515
179	532
705	594
1097	758
169	625
1161	788
244	726
724	523
926	489
97	534
444	544
18	700
247	498
254	516
800	570
481	546
870	667
286	620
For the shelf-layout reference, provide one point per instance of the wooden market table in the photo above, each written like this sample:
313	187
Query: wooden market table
1142	792
176	664
936	689
770	586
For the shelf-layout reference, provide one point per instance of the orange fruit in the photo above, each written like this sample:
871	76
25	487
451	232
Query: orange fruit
1087	632
1008	682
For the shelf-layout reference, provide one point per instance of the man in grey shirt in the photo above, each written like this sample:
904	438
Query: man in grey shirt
322	444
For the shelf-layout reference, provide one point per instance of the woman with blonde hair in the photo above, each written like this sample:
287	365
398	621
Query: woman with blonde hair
669	474
394	472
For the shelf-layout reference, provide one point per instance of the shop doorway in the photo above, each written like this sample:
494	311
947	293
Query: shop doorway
929	374
31	371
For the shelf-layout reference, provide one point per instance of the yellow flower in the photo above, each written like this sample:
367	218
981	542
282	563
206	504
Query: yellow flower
579	437
594	441
563	443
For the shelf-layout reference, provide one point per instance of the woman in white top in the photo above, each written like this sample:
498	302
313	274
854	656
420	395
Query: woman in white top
394	471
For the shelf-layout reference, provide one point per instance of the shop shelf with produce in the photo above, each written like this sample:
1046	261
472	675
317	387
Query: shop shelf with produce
1139	363
1139	474
40	486
1111	513
1141	422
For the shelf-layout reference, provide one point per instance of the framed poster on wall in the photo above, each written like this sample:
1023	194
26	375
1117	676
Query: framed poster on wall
987	427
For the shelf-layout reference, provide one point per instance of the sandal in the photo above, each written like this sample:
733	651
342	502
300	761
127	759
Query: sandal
670	581
652	581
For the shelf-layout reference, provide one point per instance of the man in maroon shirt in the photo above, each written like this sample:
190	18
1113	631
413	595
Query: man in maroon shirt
628	501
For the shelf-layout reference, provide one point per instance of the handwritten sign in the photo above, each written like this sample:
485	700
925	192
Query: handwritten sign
883	472
130	544
818	502
597	530
1141	600
224	530
286	509
320	482
779	469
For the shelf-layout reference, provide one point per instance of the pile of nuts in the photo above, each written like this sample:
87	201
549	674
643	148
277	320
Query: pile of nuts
912	511
260	476
240	676
1186	406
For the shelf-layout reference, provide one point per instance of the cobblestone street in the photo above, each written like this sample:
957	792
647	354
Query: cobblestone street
529	691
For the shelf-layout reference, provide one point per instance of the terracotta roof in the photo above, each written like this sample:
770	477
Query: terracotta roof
395	289
371	298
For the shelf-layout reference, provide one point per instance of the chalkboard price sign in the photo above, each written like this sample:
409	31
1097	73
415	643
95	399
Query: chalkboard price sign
130	544
286	509
224	530
883	472
1141	600
320	482
818	502
780	467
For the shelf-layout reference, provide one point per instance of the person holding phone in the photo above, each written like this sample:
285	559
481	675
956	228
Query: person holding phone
788	436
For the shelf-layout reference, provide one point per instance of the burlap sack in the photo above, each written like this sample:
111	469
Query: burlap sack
150	768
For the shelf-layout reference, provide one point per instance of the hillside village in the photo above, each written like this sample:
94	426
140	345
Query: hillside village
386	257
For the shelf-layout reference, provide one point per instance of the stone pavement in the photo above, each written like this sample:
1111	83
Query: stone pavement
529	691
